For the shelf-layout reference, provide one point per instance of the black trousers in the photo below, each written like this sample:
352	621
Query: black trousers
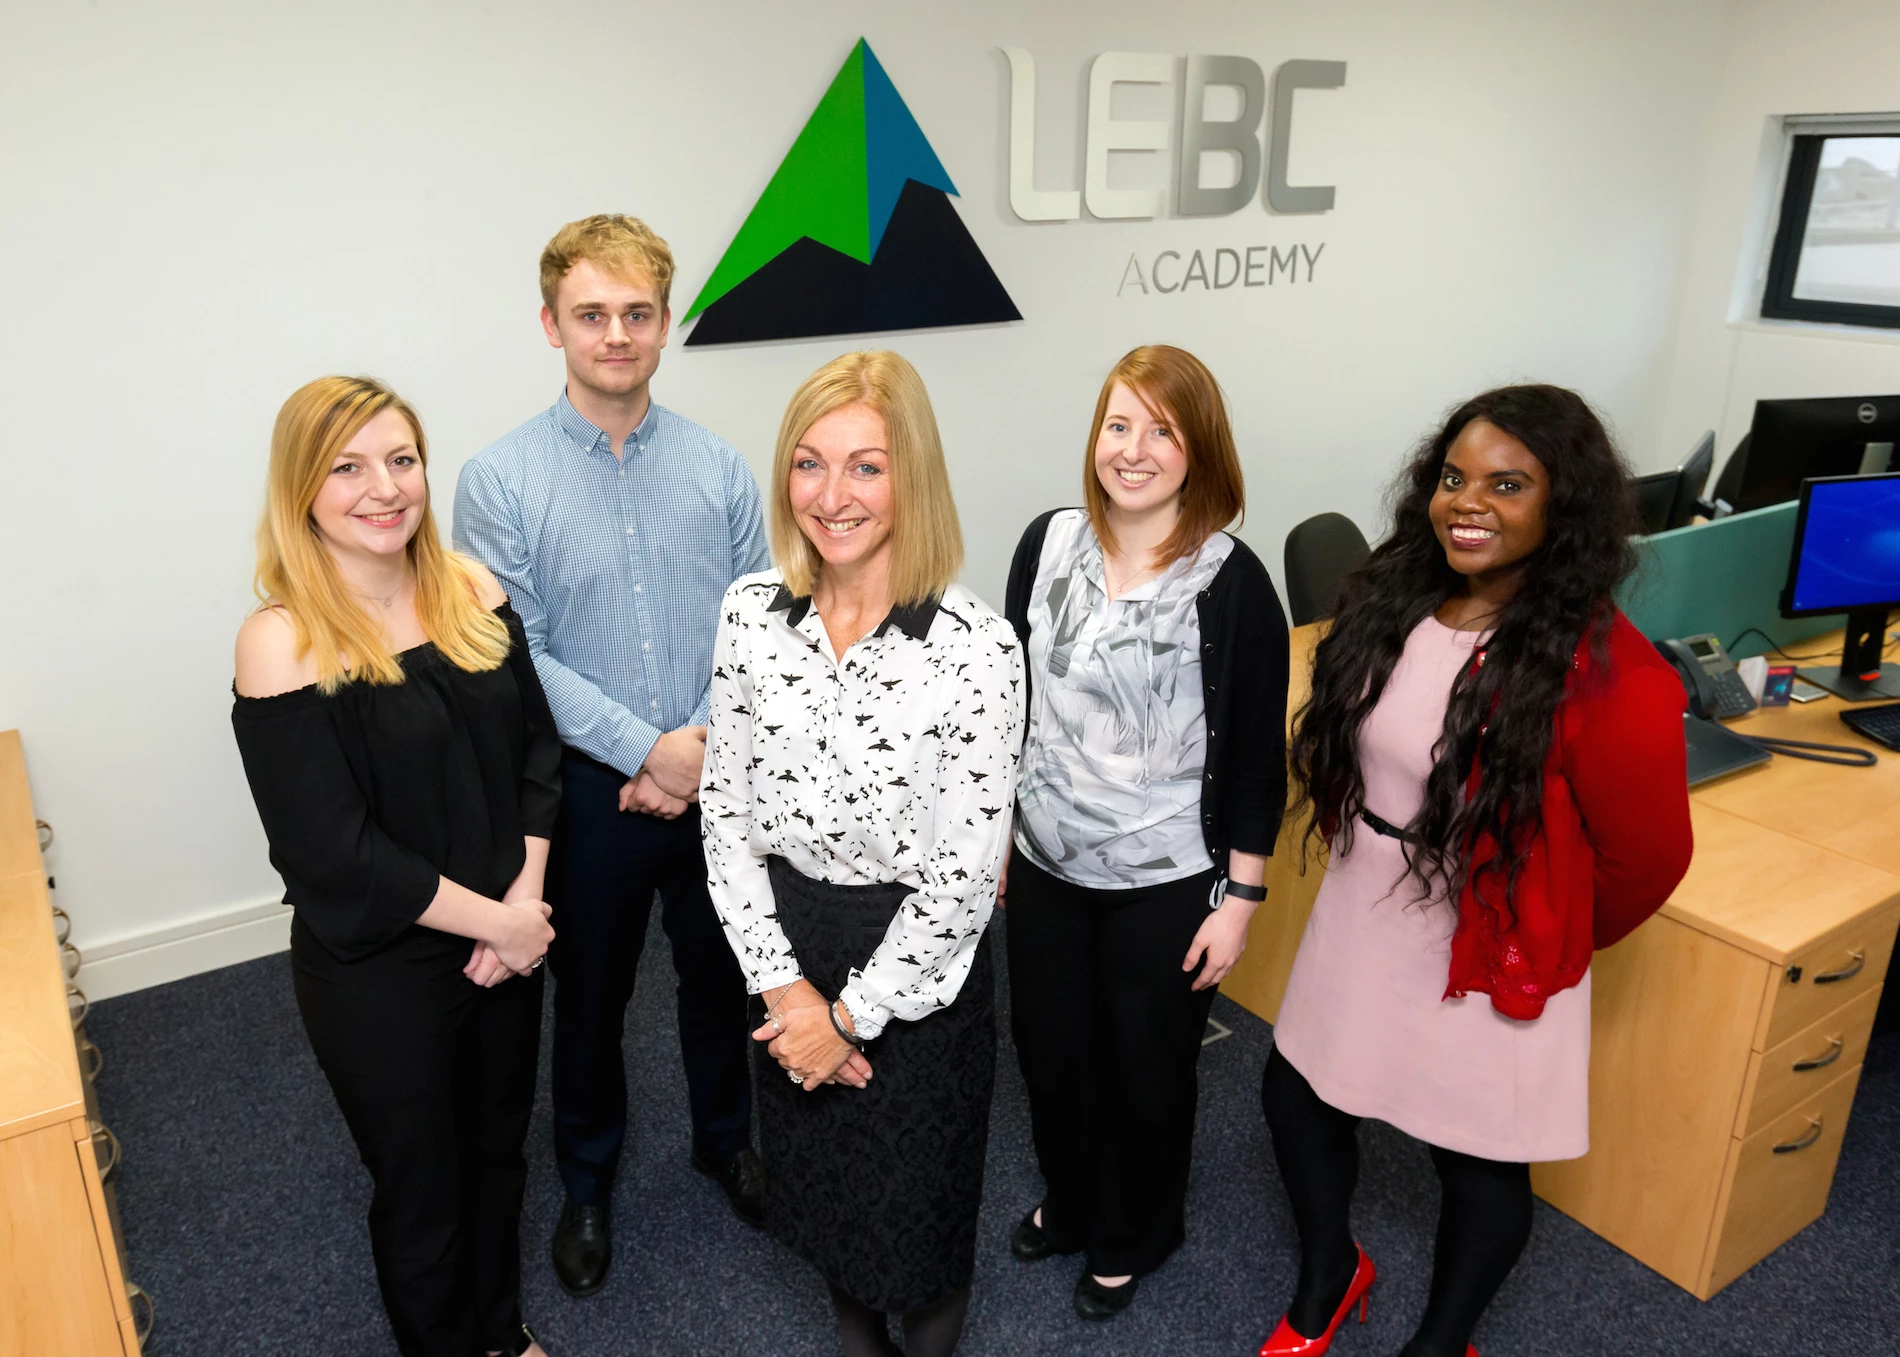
435	1076
1108	1032
603	871
1484	1216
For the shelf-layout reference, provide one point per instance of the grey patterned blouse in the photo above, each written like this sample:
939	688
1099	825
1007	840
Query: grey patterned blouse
1110	793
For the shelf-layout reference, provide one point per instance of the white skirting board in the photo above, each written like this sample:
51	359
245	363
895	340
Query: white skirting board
223	938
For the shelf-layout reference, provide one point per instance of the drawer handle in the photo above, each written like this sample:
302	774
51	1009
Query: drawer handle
1847	972
1814	1134
141	1300
1820	1062
70	959
62	925
77	1005
92	1058
106	1169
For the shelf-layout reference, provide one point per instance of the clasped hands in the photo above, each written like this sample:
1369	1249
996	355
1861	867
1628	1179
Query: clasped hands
522	935
801	1038
668	782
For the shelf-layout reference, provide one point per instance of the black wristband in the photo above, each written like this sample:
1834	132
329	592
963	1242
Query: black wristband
1240	892
850	1037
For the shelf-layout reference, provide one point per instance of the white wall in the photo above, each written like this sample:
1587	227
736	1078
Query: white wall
1822	56
209	203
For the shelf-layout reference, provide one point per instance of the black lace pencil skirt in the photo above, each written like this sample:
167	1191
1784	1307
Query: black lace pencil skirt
879	1187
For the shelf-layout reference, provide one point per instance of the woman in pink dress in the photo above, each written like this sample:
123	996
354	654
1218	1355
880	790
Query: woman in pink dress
1493	758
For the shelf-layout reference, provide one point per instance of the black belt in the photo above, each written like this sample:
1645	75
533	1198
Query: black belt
1385	827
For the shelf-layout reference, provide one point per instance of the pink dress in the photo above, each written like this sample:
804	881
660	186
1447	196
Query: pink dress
1364	1018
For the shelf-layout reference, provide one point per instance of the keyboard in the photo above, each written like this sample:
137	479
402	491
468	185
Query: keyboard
1880	724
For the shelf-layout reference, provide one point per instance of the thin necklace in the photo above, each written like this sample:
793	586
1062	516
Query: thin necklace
389	602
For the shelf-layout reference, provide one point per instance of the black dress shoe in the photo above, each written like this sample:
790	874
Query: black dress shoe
1095	1301
1029	1243
743	1178
583	1248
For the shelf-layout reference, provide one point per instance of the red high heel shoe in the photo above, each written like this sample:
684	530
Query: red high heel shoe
1285	1341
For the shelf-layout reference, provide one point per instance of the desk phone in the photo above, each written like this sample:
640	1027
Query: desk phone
1731	694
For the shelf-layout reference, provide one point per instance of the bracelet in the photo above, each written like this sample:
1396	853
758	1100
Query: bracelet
1240	892
851	1038
771	1014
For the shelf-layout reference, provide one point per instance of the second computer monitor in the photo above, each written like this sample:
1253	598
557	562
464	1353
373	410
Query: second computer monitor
1796	440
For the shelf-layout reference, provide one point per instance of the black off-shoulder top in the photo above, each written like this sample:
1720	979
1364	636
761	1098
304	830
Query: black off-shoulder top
371	794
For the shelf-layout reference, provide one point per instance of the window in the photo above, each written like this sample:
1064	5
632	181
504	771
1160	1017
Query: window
1836	255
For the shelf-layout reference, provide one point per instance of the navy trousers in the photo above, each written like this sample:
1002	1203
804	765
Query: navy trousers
604	869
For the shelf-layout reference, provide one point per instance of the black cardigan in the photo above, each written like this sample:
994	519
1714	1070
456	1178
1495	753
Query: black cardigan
1243	681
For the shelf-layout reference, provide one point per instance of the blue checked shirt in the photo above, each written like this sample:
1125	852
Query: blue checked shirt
616	565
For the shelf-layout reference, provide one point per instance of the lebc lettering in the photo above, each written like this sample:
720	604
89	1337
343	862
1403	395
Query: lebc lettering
1240	135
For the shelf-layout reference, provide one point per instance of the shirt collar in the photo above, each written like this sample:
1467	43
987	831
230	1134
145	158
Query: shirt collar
587	436
913	619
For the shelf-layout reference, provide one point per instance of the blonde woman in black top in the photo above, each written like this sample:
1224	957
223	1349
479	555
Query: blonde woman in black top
404	764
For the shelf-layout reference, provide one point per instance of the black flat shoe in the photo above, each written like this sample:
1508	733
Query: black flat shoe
1095	1301
1029	1243
743	1178
583	1248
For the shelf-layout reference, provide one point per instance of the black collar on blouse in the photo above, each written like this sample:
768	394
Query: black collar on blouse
913	619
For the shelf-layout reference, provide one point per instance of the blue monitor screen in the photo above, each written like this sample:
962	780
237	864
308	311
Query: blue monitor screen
1850	546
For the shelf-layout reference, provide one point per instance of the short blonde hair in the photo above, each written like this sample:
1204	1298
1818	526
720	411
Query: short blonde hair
624	246
926	539
296	571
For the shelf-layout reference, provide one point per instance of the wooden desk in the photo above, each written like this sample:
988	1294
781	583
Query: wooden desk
1728	1031
62	1289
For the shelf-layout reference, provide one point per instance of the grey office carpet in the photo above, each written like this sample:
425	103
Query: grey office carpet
243	1205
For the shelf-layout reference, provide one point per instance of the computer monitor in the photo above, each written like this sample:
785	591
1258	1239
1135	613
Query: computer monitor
1796	440
1847	560
1692	477
1655	497
1671	499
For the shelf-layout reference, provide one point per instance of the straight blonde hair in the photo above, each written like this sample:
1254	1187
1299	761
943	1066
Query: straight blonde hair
926	538
296	572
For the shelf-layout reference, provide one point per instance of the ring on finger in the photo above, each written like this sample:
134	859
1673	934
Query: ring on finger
795	1076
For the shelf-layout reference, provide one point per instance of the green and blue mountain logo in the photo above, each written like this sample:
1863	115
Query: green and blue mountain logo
855	233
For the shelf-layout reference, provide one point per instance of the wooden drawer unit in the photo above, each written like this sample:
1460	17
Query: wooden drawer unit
1731	1024
1811	1058
62	1285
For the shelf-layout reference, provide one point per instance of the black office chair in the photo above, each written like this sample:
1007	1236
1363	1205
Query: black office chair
1320	553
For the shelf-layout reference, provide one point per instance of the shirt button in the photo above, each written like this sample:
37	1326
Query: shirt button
646	645
653	704
629	532
637	589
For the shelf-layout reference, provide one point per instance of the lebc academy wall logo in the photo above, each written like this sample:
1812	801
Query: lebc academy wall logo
854	233
1243	263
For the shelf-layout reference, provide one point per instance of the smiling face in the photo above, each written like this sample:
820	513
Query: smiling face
371	499
840	487
1488	510
1139	458
610	329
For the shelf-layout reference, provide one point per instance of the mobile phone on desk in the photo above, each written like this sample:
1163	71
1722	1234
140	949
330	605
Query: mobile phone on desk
1803	691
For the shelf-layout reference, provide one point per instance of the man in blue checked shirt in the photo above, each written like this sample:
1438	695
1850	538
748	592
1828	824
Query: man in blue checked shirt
616	525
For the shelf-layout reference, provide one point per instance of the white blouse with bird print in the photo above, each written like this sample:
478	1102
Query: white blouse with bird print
895	764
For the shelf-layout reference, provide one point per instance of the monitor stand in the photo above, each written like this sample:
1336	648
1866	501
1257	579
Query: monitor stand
1861	676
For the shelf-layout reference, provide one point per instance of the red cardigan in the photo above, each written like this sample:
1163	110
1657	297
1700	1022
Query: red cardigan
1614	841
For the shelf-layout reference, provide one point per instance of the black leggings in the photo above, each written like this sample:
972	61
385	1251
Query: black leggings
929	1331
1484	1217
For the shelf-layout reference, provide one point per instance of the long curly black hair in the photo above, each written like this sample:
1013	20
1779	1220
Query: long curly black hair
1502	711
